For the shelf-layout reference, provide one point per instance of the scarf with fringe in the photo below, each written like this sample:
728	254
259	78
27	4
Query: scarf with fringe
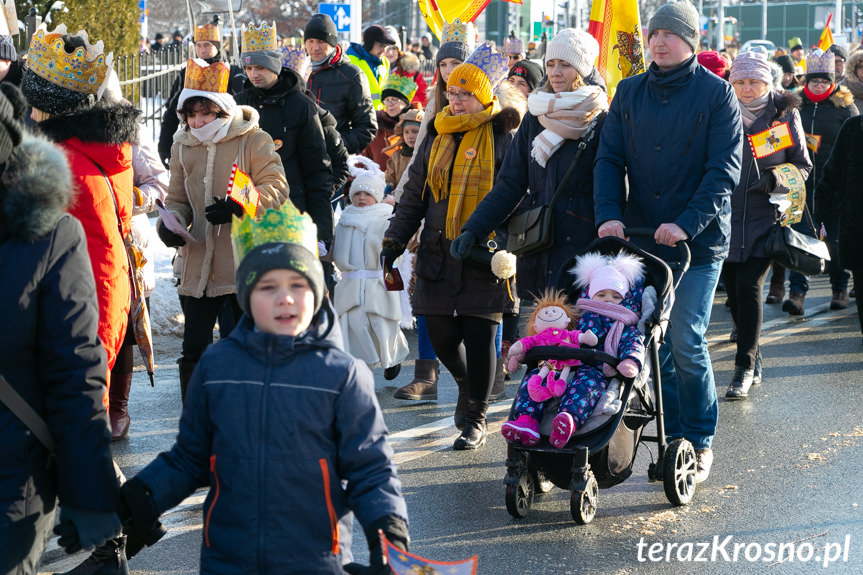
565	116
462	173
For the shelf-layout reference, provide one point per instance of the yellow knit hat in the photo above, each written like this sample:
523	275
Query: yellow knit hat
480	74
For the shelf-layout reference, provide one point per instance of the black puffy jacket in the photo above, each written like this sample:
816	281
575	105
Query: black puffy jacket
290	117
336	150
342	88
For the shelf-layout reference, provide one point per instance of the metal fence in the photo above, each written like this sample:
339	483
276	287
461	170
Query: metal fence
146	80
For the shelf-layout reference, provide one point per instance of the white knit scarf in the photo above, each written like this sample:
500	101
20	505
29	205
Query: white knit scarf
565	116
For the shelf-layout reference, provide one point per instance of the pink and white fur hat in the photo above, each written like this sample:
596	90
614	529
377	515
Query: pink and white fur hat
597	272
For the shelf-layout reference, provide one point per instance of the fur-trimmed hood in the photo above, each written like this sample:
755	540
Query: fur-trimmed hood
37	188
105	123
409	63
513	107
786	101
842	97
851	81
244	121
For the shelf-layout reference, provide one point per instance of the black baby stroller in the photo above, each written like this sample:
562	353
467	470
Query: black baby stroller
602	453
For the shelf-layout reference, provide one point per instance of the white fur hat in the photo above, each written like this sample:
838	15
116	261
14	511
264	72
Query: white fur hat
597	272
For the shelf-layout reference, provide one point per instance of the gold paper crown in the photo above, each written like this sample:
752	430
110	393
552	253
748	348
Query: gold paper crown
297	60
261	38
208	33
83	70
285	225
207	77
457	31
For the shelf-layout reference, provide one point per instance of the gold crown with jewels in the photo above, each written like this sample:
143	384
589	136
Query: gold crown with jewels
207	78
208	33
286	225
261	38
83	70
457	31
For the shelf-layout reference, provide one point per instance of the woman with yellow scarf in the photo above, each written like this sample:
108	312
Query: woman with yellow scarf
454	169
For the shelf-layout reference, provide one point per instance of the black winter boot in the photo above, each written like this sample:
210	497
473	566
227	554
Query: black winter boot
424	384
109	559
461	403
473	435
186	370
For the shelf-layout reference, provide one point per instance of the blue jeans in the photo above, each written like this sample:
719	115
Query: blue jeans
688	389
426	351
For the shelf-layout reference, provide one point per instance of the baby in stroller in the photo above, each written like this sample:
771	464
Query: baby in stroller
614	289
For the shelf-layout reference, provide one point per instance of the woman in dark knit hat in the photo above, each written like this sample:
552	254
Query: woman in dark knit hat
526	76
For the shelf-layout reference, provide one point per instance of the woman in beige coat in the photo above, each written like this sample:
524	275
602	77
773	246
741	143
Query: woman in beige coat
214	135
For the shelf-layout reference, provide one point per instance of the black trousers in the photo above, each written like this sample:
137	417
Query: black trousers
744	282
201	314
465	345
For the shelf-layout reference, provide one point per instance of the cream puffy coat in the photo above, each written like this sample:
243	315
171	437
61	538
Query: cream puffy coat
200	172
369	314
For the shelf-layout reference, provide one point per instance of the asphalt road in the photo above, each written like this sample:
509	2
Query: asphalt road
787	471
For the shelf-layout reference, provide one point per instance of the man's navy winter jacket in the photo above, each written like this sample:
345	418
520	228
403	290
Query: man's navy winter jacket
677	137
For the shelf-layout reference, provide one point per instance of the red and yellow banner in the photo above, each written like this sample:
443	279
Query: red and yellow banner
770	141
826	39
243	191
616	26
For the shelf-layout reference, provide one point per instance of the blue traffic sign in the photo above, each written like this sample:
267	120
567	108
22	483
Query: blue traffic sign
340	13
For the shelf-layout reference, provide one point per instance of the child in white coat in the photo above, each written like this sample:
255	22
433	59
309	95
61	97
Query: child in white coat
369	314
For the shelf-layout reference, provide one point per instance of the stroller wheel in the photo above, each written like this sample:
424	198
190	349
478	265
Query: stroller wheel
542	484
519	497
678	473
583	504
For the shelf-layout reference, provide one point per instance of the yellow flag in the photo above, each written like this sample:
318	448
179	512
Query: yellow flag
243	191
616	26
826	36
771	140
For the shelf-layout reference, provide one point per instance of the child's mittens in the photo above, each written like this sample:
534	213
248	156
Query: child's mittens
587	338
536	390
627	368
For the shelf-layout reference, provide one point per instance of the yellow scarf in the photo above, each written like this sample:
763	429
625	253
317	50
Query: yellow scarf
472	165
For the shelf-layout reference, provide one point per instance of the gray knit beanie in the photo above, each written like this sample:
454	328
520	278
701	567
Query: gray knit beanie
576	47
679	18
272	61
752	66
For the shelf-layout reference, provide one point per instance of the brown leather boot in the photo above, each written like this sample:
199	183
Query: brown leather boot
423	387
776	292
840	300
794	304
118	403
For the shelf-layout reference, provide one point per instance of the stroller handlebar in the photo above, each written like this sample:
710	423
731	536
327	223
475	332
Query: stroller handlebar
583	354
679	267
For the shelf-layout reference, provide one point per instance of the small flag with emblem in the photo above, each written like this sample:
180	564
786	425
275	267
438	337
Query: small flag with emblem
404	563
770	141
243	191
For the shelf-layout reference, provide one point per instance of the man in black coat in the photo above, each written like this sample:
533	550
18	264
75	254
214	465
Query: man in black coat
291	119
338	85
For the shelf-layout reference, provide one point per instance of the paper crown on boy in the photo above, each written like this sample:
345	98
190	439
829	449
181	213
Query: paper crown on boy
261	47
399	87
61	81
481	73
207	81
209	32
279	239
297	60
597	272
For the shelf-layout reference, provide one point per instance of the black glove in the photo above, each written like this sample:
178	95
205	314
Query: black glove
765	183
391	250
221	211
460	247
168	237
136	504
85	528
396	530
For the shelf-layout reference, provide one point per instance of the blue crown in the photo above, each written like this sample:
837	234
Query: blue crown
493	64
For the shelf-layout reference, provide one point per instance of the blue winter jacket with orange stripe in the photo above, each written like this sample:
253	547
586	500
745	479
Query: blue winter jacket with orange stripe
273	424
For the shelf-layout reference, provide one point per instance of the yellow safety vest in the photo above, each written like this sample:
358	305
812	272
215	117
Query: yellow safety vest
374	85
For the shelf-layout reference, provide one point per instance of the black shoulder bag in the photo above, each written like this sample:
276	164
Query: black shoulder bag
531	232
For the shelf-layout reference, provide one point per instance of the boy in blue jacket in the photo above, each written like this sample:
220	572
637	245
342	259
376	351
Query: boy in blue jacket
276	417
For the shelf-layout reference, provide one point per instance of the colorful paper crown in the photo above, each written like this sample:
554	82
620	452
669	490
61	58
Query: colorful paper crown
513	45
457	31
493	64
207	77
208	33
285	225
260	38
404	86
83	70
297	60
819	62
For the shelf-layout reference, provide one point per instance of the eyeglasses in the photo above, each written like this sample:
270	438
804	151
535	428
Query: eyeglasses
820	82
460	96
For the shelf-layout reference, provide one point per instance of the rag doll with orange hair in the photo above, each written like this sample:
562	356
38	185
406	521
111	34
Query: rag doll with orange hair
548	326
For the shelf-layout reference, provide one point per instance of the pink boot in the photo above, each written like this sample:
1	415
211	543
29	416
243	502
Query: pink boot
563	427
536	390
524	430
